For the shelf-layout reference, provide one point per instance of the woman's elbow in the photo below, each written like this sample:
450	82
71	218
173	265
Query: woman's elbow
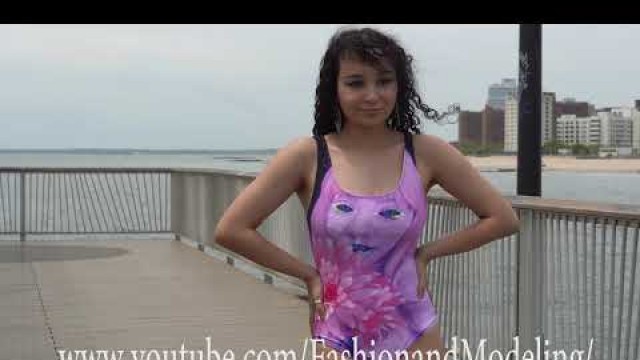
223	235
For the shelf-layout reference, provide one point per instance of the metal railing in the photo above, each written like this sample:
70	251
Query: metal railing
84	201
475	292
591	281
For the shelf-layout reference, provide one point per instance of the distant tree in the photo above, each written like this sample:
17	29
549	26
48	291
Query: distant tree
469	148
551	147
475	149
583	150
593	149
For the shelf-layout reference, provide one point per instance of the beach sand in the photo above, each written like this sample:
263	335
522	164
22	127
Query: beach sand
559	163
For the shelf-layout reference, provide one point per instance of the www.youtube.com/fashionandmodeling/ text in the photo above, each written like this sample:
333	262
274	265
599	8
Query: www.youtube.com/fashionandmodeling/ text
459	347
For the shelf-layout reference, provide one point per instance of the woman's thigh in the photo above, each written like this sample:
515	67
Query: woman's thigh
430	340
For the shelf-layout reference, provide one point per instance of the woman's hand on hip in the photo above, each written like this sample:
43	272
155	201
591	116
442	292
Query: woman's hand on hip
316	306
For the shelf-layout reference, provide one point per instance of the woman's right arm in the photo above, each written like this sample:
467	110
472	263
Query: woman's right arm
236	230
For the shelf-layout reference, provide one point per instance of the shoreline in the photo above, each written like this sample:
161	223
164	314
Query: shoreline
558	163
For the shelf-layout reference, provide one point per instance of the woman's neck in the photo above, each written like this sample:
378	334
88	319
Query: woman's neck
367	137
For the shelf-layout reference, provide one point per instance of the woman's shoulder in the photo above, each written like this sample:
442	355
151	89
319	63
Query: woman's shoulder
292	160
433	149
300	143
430	142
300	148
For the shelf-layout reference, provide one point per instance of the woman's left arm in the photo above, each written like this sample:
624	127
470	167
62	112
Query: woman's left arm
456	175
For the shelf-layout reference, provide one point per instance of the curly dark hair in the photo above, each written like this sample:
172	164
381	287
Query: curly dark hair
372	47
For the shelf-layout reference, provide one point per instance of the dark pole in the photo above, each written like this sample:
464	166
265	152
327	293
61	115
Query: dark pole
530	110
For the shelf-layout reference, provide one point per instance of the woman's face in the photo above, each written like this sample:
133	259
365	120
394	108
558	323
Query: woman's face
366	94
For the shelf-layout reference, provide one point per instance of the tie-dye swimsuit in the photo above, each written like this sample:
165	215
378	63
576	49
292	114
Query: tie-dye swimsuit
363	247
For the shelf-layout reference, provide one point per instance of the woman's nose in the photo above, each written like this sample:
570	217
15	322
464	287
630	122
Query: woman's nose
372	93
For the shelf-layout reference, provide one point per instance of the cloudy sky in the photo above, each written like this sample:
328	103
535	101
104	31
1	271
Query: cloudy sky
252	86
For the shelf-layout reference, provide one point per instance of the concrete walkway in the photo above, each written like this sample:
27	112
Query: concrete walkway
138	295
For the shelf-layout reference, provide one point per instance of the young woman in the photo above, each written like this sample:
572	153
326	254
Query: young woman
363	179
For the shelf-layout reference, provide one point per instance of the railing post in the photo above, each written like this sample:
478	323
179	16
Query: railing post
176	211
530	300
23	205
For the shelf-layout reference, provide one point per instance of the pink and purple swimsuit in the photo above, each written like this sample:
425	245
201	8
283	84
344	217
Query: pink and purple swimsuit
363	247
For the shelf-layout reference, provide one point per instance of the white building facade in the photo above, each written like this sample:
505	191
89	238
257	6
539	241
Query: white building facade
511	121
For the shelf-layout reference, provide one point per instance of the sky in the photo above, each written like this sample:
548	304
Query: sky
252	86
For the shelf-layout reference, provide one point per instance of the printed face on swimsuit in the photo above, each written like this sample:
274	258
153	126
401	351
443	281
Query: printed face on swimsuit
367	222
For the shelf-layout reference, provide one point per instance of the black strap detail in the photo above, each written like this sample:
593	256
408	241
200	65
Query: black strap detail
323	163
408	144
323	151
